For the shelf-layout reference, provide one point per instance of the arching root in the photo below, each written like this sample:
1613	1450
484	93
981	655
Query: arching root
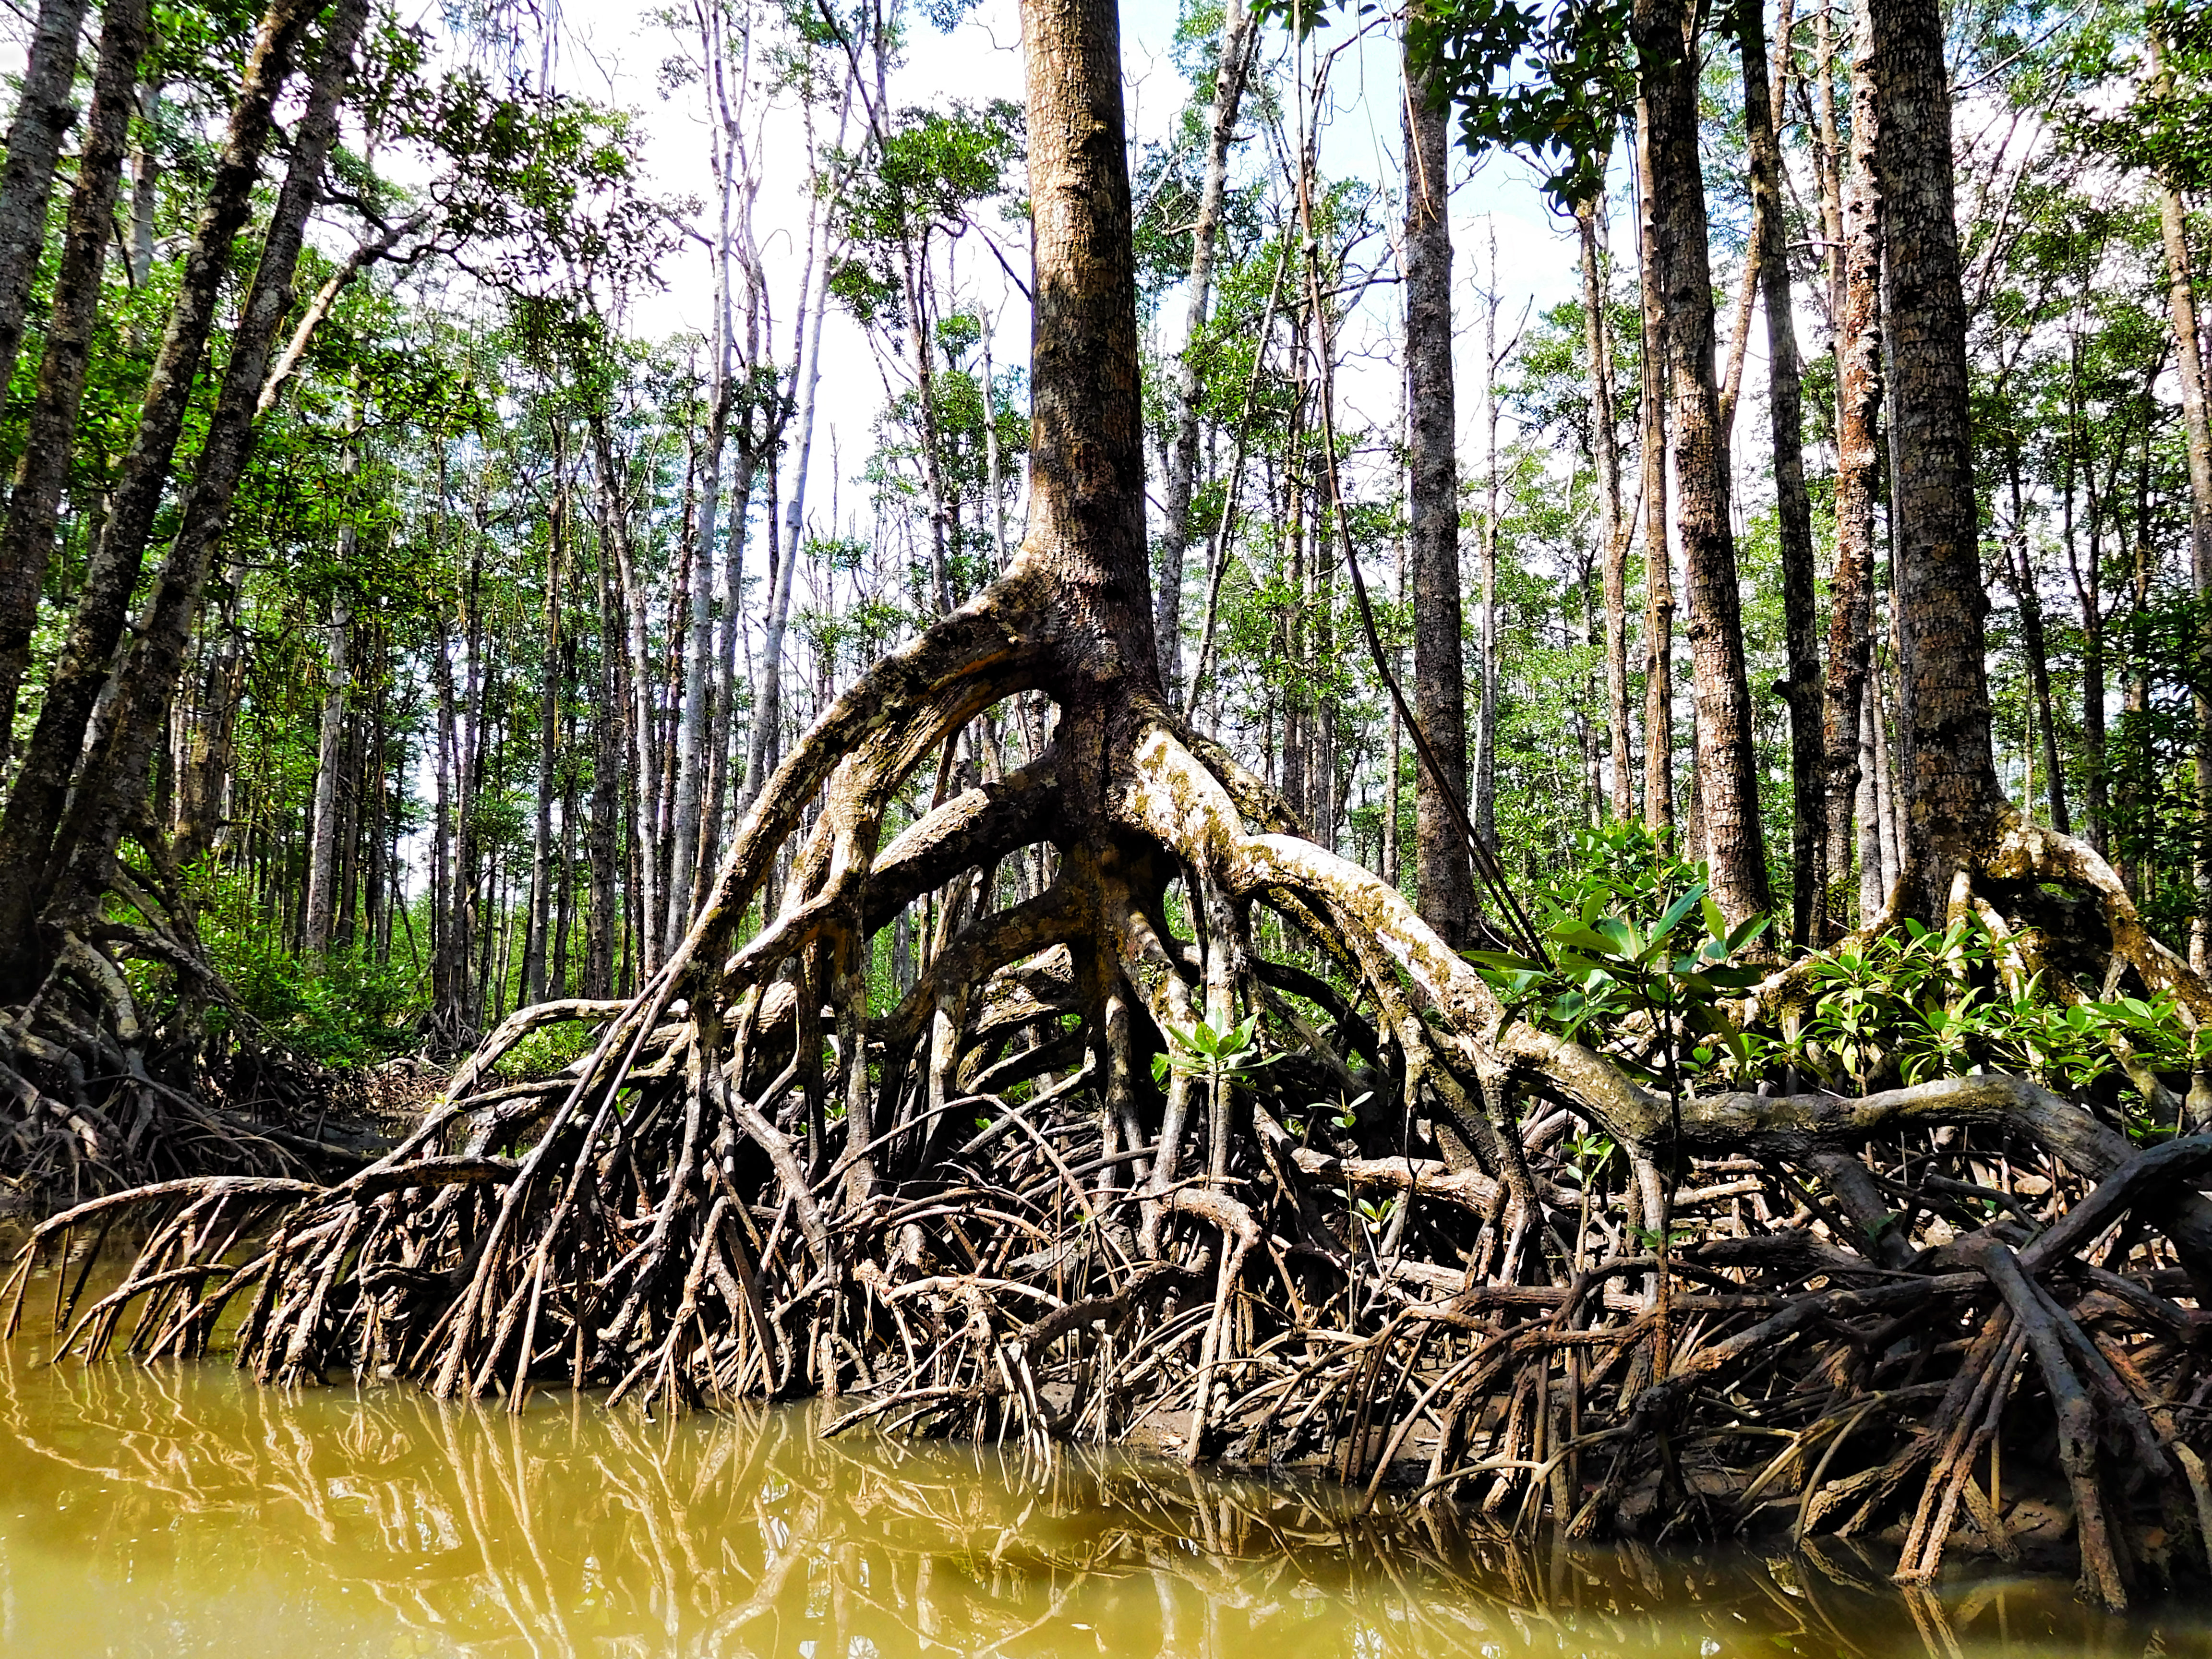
1381	1229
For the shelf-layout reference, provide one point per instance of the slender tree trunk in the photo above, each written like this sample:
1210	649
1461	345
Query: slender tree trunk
766	747
1800	686
1484	812
693	726
145	182
1240	31
112	785
2021	569
45	109
26	542
1727	763
536	937
1858	470
602	838
1658	556
2088	591
614	537
2197	432
1443	875
1872	818
42	784
1953	801
323	833
1613	529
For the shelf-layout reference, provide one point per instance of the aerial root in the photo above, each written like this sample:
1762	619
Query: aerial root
1385	1230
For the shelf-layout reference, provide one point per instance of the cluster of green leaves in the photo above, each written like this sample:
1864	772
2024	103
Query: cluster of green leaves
1633	936
1627	938
1927	1003
1202	1052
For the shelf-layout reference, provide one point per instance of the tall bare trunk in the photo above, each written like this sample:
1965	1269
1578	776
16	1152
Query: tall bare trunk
1727	763
112	787
536	940
1444	876
1658	556
42	784
1800	686
45	109
602	839
765	747
1240	31
26	542
1858	467
323	823
1952	801
1613	529
2196	431
1484	806
694	718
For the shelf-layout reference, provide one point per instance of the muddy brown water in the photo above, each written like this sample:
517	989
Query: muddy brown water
181	1509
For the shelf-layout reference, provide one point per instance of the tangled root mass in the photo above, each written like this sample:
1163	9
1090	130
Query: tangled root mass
1371	1241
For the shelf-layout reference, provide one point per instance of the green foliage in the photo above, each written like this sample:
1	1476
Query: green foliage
1642	964
348	1010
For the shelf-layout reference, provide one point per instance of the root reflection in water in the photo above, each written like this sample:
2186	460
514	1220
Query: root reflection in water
182	1510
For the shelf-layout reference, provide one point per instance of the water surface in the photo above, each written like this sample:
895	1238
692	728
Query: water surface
183	1510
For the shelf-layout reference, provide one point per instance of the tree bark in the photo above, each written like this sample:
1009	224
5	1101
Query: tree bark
602	838
1953	801
1858	466
1614	529
42	784
1240	31
112	787
323	820
537	938
1727	763
45	109
762	750
1443	875
2020	568
1658	555
1800	686
26	542
2197	432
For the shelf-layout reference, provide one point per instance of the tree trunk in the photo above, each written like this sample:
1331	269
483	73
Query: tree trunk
1727	763
1953	801
762	750
1240	31
1658	555
1800	686
1613	529
2021	570
536	939
1858	468
1443	876
694	714
2196	431
323	831
614	538
602	839
42	783
27	542
1484	806
112	785
45	109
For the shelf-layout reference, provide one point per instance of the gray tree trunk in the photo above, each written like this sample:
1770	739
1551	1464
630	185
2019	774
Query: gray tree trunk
45	110
1443	874
26	542
1240	32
